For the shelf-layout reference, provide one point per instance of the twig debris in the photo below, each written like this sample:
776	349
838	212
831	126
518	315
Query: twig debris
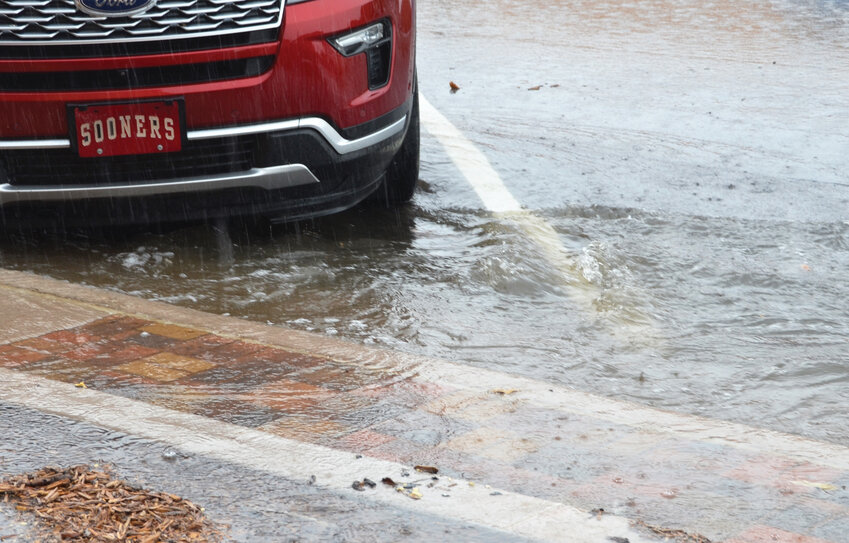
79	504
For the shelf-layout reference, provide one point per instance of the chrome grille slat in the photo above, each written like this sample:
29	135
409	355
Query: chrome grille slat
227	15
175	5
202	10
28	3
93	34
151	15
79	17
174	20
204	26
59	10
33	18
148	31
64	26
113	26
57	22
259	4
254	21
44	35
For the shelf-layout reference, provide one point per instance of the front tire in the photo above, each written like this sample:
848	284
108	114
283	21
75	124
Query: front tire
402	174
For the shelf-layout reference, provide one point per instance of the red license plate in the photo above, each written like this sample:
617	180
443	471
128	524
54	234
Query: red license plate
128	129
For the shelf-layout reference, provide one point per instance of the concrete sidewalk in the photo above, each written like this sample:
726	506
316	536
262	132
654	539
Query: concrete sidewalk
524	457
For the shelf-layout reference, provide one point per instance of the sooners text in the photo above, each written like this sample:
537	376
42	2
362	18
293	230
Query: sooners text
151	127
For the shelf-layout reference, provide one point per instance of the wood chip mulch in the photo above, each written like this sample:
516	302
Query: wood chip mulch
79	504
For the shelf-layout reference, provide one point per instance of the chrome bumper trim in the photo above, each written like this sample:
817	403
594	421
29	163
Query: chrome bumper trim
210	133
340	144
16	145
276	177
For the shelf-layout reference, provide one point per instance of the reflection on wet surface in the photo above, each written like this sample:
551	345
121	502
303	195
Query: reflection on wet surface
751	312
223	378
534	440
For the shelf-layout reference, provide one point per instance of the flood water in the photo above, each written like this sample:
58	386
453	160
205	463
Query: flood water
694	171
750	318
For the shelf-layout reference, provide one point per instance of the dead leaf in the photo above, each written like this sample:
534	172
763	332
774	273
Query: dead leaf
811	484
81	384
454	87
427	469
538	87
504	391
388	481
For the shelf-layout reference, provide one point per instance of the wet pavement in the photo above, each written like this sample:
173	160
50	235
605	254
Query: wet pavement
506	433
689	158
252	504
686	161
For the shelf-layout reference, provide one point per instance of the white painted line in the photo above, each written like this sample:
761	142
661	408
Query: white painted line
471	162
334	470
631	323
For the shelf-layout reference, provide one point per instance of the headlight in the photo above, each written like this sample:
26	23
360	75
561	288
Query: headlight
375	40
358	41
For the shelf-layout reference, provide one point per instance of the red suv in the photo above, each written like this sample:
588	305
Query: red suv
154	110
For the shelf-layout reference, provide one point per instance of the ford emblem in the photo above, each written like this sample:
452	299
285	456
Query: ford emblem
114	8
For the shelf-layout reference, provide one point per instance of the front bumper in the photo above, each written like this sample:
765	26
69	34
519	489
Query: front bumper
299	133
286	170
